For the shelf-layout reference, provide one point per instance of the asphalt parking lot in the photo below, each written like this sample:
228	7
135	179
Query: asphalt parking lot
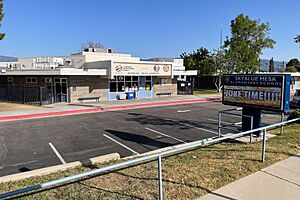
36	143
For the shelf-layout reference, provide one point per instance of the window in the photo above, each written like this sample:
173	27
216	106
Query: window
113	87
48	80
148	83
31	80
10	79
164	81
123	83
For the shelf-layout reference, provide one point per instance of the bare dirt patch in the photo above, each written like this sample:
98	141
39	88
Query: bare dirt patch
15	107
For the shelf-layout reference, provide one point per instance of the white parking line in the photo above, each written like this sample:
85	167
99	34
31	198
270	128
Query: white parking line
57	154
174	138
126	147
183	111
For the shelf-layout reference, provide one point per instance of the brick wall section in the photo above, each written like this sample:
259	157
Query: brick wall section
87	86
165	88
171	87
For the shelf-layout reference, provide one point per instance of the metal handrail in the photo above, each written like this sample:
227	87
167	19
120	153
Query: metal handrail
227	112
147	158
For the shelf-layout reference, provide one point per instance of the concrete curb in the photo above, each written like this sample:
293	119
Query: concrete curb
57	168
112	108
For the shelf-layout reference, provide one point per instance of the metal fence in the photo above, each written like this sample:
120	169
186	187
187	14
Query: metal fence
228	126
26	95
184	88
147	158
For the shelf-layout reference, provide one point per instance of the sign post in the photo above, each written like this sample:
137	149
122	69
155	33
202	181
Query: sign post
257	92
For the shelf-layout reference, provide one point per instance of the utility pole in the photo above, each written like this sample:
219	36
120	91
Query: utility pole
221	37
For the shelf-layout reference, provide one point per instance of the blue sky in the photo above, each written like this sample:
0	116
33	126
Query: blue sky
153	28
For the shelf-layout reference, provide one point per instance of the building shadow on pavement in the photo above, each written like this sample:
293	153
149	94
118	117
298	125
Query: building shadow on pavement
177	123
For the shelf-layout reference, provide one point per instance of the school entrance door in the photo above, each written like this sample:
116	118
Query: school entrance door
61	89
146	87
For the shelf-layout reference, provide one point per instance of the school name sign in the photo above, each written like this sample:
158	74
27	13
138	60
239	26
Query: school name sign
269	91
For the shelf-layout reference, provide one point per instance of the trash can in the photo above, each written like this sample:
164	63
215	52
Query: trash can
122	96
130	95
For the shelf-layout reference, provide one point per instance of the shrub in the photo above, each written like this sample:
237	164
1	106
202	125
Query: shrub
294	115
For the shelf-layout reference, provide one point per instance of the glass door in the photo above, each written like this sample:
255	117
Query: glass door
148	87
61	89
49	89
142	92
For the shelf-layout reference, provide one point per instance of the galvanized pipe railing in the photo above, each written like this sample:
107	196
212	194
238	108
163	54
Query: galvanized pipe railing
227	111
140	160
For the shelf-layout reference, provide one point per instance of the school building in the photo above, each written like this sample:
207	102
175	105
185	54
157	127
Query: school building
93	73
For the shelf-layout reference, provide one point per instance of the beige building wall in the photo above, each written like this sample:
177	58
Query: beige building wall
99	56
87	86
26	62
171	86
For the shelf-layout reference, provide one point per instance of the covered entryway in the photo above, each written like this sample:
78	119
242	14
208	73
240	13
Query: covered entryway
60	90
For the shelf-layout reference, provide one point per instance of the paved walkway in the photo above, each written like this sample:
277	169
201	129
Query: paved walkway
76	108
276	182
105	104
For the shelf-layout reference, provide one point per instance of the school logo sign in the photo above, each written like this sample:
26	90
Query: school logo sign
270	91
166	68
156	68
118	68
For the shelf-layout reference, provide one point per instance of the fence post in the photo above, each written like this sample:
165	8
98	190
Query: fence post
263	157
160	179
219	124
23	94
251	129
8	93
41	97
282	119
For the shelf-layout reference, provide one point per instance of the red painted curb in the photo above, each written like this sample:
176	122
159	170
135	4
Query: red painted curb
68	112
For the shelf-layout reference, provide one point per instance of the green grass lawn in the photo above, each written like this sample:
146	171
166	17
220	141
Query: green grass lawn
205	91
186	176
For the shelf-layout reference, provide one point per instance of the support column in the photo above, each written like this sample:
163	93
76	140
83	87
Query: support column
246	121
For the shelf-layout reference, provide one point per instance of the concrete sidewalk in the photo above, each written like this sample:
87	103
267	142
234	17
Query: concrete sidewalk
105	104
59	109
278	181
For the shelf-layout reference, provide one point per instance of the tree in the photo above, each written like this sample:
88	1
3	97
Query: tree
248	39
290	69
297	39
293	62
199	60
293	65
91	44
220	67
271	65
1	17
